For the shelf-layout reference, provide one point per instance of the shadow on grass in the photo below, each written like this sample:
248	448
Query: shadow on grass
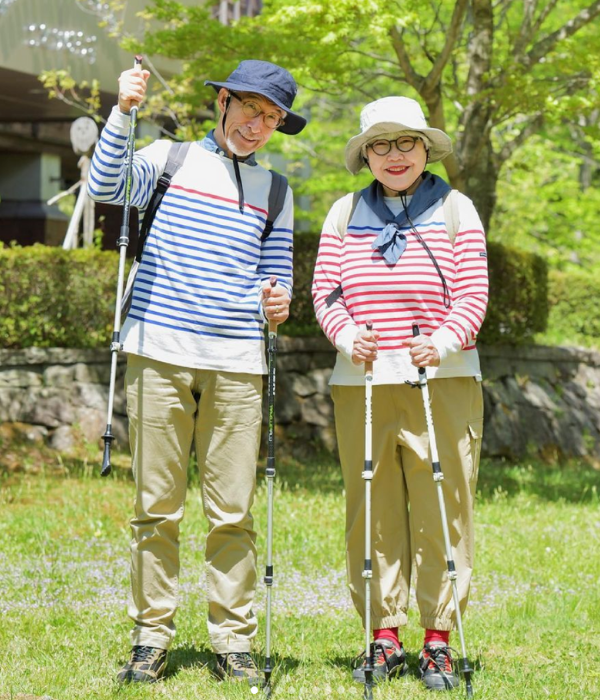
188	656
571	481
318	471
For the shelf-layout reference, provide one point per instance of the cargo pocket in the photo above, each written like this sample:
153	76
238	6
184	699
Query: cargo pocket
475	437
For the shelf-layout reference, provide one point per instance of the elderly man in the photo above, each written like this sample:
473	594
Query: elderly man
194	337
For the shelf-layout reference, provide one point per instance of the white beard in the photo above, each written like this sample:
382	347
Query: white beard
236	149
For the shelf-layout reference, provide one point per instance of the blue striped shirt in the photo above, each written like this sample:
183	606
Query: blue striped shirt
197	295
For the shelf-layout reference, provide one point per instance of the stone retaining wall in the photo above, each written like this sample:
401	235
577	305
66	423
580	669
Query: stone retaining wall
537	399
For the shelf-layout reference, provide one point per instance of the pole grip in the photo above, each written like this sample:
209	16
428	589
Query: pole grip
137	63
416	332
369	365
272	324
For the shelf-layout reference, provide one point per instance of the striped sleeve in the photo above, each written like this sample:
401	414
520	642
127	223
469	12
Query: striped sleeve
333	317
107	178
470	290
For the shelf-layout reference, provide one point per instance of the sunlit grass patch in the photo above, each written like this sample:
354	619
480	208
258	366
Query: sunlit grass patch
532	628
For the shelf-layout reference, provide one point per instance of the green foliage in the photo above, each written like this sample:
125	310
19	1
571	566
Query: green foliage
548	200
50	297
62	86
544	68
543	73
518	306
574	315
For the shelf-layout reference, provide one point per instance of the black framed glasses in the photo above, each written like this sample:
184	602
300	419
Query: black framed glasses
404	144
252	109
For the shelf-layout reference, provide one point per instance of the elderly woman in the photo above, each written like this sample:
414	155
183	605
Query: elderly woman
406	250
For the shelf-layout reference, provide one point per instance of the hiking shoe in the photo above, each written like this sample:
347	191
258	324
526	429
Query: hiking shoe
145	665
238	666
389	661
436	667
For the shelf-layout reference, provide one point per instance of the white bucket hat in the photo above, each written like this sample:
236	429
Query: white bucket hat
391	115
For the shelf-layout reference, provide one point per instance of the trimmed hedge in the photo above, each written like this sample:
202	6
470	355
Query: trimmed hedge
50	297
574	313
302	321
518	306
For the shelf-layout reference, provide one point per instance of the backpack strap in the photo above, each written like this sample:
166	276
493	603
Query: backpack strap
347	209
175	159
451	215
277	195
349	203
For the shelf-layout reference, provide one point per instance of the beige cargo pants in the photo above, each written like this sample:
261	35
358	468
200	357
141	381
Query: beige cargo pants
406	524
165	417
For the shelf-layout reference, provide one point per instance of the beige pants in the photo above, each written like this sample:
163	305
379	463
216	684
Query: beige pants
406	522
165	417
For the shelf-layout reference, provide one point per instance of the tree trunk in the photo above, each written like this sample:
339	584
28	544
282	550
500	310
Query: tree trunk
481	180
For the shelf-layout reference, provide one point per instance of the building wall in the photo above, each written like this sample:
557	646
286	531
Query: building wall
36	156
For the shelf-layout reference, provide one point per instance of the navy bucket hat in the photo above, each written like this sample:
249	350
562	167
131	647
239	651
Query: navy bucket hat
270	81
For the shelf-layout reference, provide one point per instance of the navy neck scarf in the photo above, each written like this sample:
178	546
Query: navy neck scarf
391	242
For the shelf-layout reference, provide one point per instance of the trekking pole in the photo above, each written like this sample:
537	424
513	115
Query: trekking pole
122	243
270	474
367	475
438	477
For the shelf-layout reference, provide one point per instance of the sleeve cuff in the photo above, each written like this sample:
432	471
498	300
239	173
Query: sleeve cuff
345	341
445	342
118	120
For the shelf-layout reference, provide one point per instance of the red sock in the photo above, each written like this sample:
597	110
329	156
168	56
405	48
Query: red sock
390	633
437	636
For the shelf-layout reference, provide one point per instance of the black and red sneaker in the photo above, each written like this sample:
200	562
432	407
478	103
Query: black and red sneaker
436	667
389	661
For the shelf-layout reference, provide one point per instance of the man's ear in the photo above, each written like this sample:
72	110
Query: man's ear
223	100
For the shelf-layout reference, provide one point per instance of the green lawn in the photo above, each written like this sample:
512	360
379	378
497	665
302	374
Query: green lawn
532	629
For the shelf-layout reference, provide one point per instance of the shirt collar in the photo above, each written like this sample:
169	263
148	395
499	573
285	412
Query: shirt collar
210	144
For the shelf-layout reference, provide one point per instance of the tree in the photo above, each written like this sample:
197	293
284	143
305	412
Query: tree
490	73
